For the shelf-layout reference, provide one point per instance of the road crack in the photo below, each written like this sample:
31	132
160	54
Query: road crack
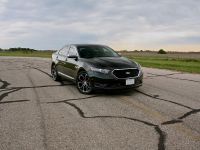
178	119
156	97
169	76
157	128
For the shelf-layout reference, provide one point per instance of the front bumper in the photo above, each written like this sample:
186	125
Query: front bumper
110	82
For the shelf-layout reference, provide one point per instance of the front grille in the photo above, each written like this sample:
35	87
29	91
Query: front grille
126	73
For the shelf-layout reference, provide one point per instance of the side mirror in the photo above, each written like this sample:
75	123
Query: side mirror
120	54
73	57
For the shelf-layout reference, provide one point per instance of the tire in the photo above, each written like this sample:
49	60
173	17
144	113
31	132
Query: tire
54	73
83	83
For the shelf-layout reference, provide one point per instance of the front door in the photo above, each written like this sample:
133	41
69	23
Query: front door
70	65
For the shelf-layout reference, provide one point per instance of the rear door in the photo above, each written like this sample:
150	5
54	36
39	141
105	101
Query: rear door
62	58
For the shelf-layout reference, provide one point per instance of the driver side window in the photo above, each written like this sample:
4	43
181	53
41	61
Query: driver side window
64	51
72	51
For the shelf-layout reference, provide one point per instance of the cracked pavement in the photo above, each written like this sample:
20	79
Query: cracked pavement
39	113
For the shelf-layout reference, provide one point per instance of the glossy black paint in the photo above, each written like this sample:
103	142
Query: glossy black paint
111	62
70	65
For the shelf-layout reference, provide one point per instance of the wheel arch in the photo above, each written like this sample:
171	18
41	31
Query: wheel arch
80	69
53	63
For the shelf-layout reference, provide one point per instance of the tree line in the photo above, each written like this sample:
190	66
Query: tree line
161	51
20	49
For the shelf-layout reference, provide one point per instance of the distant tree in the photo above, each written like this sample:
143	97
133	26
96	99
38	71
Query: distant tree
124	50
25	50
1	49
162	51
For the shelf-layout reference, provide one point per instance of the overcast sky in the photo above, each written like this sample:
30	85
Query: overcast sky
121	24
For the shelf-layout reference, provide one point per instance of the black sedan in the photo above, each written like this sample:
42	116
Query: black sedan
95	67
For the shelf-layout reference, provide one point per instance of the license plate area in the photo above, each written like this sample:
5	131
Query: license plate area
130	81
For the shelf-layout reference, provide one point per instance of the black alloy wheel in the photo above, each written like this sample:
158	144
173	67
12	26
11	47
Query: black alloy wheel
83	83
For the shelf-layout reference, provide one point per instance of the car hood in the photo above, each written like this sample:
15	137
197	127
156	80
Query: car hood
111	62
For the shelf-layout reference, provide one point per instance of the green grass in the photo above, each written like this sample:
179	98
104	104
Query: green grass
179	64
173	62
45	54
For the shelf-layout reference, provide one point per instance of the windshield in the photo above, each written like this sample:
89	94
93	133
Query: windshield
91	51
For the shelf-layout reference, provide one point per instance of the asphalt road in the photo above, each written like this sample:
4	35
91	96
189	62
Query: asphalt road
37	113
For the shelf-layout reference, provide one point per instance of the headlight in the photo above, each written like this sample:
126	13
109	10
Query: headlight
139	66
105	71
140	69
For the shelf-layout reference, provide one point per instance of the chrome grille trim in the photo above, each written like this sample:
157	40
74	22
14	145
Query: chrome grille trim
127	77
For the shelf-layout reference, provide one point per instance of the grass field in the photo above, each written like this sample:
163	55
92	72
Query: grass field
186	62
45	54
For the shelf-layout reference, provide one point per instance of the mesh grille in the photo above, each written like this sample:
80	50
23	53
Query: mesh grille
126	73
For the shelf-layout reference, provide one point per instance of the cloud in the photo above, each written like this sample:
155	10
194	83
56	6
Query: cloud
126	24
2	5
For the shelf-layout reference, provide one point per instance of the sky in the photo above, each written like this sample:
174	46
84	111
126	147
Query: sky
173	25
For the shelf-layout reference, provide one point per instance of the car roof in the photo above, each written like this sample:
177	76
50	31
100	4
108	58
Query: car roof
87	45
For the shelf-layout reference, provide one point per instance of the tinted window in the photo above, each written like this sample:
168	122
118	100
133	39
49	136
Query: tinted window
92	51
64	51
72	51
